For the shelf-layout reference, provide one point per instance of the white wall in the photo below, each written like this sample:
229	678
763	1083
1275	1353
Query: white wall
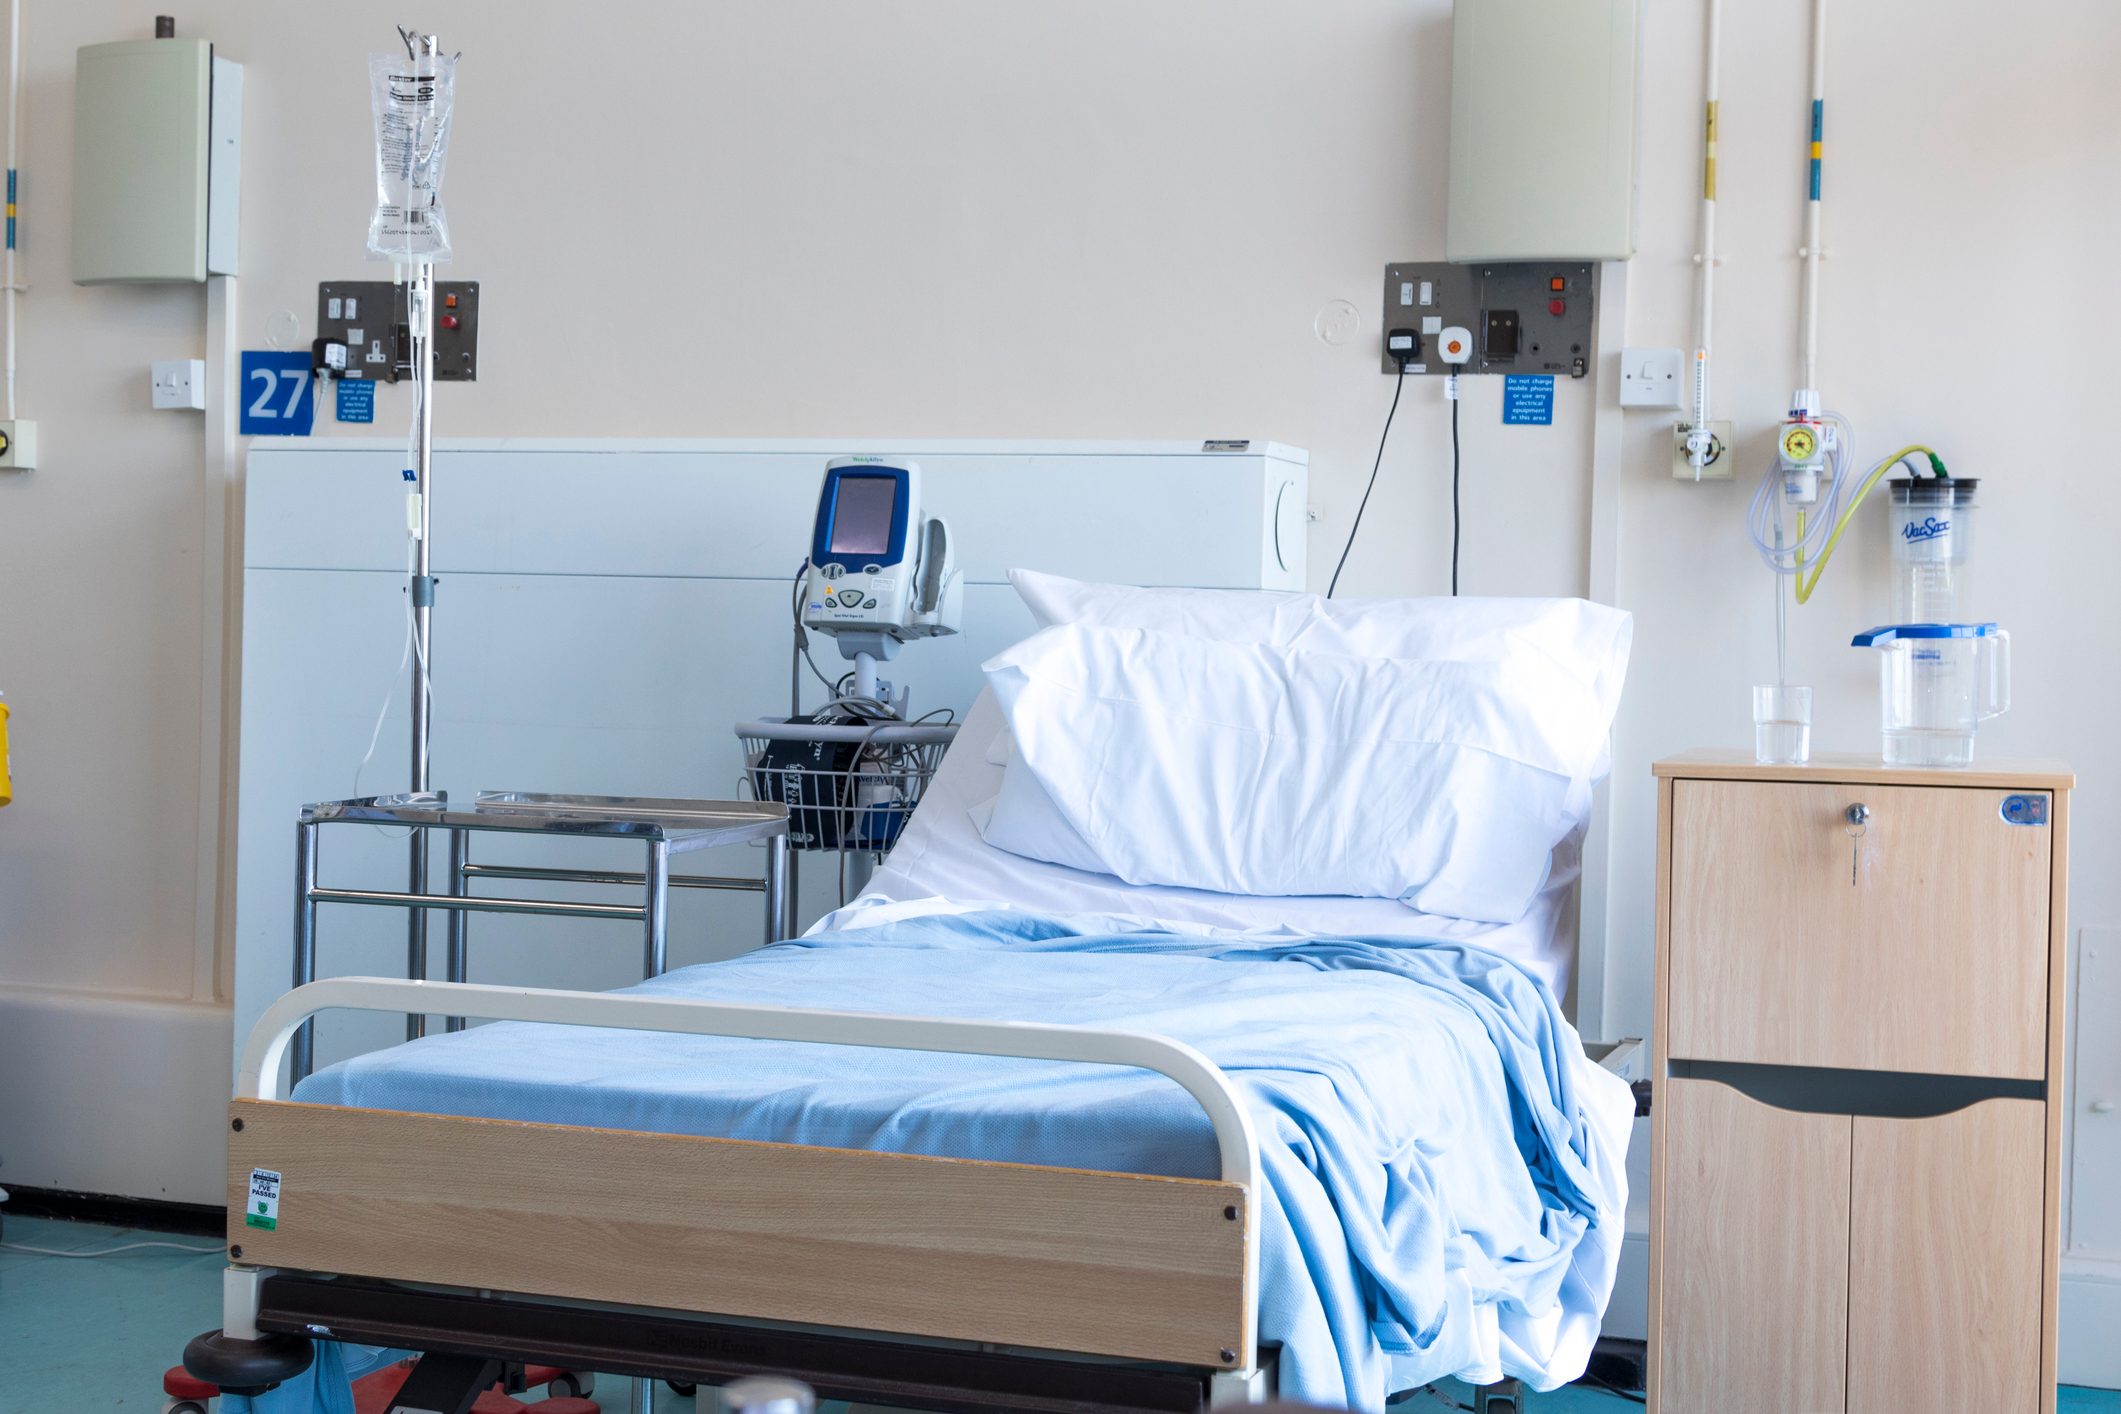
1087	219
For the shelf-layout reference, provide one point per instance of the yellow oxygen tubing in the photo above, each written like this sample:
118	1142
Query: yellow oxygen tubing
1805	585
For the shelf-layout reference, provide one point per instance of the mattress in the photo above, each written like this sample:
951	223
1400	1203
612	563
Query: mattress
941	856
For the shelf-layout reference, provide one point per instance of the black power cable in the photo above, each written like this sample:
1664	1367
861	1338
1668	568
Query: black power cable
1615	1390
1454	486
1398	386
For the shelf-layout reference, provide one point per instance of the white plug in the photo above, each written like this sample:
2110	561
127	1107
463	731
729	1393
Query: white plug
1454	344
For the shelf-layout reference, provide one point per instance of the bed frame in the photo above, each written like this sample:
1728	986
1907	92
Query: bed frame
936	1283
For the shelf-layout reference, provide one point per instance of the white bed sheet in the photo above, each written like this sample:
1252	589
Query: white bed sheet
940	856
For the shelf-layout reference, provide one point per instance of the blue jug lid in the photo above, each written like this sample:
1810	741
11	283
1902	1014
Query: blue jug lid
1890	633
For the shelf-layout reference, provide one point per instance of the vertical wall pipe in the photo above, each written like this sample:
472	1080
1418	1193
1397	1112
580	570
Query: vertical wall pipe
1811	252
1700	445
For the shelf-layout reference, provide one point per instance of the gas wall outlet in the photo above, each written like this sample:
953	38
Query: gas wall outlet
1652	378
179	383
18	446
1720	454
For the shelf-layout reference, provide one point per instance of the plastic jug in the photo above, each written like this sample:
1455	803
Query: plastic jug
1936	683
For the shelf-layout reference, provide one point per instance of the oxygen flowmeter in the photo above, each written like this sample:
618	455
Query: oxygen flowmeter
1803	447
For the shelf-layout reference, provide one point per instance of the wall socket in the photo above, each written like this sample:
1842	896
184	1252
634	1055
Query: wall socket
1718	469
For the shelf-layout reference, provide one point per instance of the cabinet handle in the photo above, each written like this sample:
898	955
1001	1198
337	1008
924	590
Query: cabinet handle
2102	1107
1858	814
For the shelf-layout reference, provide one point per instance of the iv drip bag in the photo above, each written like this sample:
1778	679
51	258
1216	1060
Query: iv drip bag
412	95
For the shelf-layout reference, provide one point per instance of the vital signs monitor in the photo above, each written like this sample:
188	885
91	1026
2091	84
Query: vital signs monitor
881	571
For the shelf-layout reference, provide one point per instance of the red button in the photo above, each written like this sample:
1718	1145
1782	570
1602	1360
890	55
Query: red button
1556	307
450	321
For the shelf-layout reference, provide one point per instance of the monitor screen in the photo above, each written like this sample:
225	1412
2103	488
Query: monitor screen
861	515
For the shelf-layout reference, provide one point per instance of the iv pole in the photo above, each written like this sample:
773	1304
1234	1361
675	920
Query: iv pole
420	315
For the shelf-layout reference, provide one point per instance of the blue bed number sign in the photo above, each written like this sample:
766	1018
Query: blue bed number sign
277	401
357	400
1528	399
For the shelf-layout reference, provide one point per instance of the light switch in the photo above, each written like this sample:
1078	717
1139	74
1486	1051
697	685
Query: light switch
1652	378
180	383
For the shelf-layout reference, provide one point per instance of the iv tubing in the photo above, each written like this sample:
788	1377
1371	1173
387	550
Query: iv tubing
1805	585
1705	281
1812	204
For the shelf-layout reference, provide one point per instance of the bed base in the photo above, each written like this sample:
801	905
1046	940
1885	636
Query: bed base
665	1346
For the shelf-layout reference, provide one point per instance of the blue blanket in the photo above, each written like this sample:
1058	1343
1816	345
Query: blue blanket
1425	1150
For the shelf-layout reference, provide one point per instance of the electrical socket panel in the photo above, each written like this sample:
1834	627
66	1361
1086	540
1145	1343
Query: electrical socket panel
1718	469
1652	378
1525	317
369	317
18	446
179	383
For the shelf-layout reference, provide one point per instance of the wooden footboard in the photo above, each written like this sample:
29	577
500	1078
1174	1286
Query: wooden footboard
1097	1263
1070	1260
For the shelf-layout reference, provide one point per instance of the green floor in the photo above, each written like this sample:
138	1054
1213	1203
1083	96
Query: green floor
92	1335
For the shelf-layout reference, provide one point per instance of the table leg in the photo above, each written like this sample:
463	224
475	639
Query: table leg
416	928
776	888
459	943
303	1050
657	908
793	893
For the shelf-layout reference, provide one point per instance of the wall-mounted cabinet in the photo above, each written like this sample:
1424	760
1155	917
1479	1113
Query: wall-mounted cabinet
157	158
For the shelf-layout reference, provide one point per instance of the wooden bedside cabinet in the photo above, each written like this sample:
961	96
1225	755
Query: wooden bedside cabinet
1857	1064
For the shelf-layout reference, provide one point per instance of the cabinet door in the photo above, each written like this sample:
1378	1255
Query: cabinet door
1932	958
1945	1254
1752	1254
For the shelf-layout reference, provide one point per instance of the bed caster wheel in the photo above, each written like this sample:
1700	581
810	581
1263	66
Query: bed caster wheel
247	1366
185	1393
569	1386
682	1389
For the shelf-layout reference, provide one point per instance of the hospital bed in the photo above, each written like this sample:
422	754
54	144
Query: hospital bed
1035	1257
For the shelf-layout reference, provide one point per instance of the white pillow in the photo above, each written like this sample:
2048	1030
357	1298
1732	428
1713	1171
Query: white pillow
1246	769
1587	640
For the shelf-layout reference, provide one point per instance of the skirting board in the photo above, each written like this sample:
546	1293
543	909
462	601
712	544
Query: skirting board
113	1095
2091	1313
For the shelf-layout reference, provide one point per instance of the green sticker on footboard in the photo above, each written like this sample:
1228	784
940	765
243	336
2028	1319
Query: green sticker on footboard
263	1208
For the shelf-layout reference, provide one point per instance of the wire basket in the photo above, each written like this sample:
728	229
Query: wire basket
848	788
